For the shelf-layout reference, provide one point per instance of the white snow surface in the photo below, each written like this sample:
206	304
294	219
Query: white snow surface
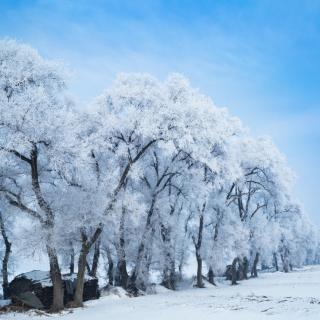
35	275
44	277
272	296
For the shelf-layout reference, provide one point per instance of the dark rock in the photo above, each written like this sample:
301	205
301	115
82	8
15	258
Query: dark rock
39	283
28	299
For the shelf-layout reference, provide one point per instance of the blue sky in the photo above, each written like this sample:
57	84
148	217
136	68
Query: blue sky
261	59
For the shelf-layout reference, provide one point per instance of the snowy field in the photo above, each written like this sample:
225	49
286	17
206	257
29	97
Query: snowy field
272	296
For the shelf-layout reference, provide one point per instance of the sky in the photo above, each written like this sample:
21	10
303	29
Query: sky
260	59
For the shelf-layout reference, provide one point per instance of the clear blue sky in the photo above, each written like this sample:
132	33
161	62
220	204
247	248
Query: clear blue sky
261	59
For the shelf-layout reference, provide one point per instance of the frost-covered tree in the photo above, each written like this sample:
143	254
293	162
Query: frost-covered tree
33	110
265	184
6	229
151	172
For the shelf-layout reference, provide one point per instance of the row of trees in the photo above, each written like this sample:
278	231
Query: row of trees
150	174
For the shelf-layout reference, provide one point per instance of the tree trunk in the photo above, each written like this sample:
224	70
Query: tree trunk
211	276
197	245
169	277
55	274
138	271
122	273
199	271
110	267
234	274
240	271
88	267
169	274
110	272
71	266
5	261
275	261
285	260
95	260
245	264
78	295
180	274
148	254
82	263
254	271
183	254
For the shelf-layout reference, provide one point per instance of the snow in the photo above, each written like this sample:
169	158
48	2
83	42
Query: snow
273	296
44	277
73	277
38	276
4	303
35	275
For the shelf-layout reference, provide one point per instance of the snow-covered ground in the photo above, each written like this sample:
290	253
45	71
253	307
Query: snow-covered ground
272	296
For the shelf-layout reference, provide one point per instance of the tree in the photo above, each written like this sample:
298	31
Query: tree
265	183
33	108
6	233
151	171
